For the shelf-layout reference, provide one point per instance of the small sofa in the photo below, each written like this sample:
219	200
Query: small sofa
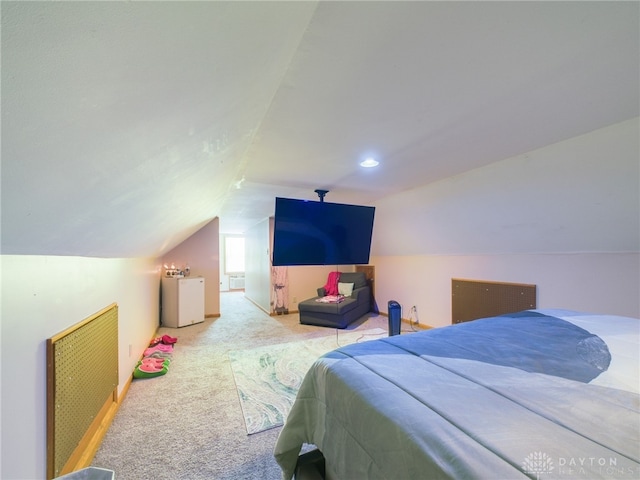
338	315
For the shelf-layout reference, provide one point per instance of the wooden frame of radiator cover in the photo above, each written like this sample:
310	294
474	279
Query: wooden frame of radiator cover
82	390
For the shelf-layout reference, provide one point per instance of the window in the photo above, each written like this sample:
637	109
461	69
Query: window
233	254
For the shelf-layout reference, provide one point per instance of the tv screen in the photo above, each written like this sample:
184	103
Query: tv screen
321	233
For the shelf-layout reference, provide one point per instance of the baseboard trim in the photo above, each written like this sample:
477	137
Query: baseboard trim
289	312
421	326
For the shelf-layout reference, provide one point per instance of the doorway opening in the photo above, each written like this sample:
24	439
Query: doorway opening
232	264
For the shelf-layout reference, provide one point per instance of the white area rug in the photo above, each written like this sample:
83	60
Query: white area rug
268	378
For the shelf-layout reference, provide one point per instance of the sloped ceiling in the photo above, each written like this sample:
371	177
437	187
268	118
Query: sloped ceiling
127	126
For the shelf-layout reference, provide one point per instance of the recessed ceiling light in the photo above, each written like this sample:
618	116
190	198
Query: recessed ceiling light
369	162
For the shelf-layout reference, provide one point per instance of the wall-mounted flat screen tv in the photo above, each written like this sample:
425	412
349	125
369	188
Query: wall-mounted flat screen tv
321	233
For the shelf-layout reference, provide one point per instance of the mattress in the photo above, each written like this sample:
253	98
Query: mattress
535	394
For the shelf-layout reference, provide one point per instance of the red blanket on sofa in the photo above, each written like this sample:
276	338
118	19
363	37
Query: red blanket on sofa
331	288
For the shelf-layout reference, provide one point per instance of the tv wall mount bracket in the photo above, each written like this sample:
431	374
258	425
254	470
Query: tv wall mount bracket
321	193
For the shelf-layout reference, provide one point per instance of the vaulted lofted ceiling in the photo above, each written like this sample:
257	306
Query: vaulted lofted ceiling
127	126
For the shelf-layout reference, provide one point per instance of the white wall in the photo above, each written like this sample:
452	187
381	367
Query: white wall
42	296
565	217
202	253
580	195
597	283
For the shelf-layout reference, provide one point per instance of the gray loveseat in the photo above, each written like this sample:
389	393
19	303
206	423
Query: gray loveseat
338	315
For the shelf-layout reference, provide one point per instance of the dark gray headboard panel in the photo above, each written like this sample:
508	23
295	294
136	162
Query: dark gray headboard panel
473	299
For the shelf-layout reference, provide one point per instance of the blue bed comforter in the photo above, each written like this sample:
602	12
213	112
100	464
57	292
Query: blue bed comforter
529	341
500	398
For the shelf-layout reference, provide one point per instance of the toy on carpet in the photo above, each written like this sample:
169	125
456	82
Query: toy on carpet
150	370
165	339
161	347
154	361
156	358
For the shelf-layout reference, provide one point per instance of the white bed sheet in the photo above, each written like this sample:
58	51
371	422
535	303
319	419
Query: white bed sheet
621	334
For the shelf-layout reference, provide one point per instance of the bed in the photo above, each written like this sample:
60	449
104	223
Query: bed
534	394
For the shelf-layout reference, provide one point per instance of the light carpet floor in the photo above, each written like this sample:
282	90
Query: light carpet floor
268	378
188	424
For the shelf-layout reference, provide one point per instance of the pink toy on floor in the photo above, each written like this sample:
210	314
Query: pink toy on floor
150	368
158	348
163	355
165	339
149	371
153	361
